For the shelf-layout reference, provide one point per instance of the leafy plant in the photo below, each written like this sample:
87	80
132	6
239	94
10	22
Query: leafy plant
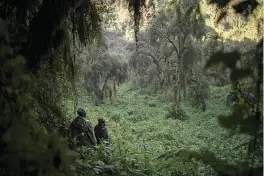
26	147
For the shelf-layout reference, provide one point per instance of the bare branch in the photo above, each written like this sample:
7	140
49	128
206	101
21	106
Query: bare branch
155	61
175	47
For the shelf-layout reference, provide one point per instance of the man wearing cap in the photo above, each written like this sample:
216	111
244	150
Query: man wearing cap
81	131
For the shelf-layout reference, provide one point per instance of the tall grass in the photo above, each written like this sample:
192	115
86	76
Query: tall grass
139	130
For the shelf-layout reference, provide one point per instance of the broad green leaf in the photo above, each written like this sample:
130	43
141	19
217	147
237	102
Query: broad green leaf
19	60
16	81
25	77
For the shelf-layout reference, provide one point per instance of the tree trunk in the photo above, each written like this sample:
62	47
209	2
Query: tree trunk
185	88
115	87
177	101
177	92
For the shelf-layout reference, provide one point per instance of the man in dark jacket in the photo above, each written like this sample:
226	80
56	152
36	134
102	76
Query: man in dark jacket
81	131
101	132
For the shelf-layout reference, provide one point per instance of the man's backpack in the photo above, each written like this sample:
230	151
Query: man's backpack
81	134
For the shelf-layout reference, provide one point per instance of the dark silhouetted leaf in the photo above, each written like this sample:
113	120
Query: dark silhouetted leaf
228	59
260	44
221	16
238	74
228	122
248	126
245	6
219	3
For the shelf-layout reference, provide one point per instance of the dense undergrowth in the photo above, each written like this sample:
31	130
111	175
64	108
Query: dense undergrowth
140	130
152	132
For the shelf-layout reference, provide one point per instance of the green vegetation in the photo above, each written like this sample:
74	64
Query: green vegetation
180	84
138	121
